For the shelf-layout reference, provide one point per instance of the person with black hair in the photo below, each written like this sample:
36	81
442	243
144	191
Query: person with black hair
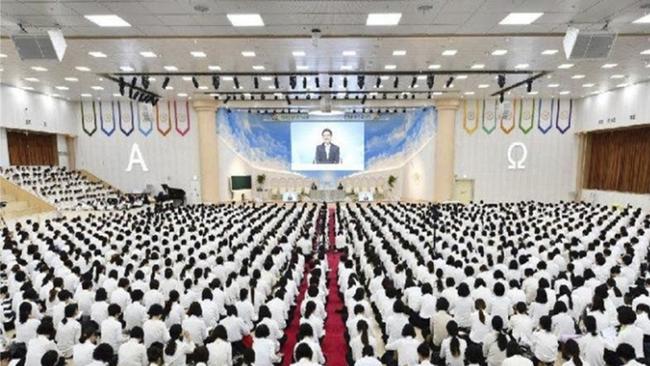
266	349
544	342
406	347
310	317
304	356
571	353
133	352
52	358
27	324
368	358
514	356
82	352
439	321
592	344
424	354
629	333
220	350
68	331
43	342
480	322
111	327
99	309
627	356
135	313
521	324
155	354
178	347
194	324
562	323
154	328
306	338
495	343
361	339
452	349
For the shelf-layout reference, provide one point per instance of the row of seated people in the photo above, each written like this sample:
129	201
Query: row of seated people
503	284
68	189
189	285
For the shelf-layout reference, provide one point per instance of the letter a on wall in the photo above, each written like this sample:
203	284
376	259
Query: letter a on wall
136	158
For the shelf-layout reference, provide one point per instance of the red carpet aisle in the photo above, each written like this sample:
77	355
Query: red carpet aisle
335	348
292	329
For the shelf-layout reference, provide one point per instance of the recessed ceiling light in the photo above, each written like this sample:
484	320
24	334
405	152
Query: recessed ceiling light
553	85
565	66
2	55
349	53
198	54
82	68
422	77
227	78
565	92
248	53
483	86
169	87
534	92
62	87
126	68
645	52
107	20
170	68
347	67
383	19
148	54
449	52
469	93
643	20
86	95
187	78
390	67
520	18
96	87
258	67
214	67
521	66
434	67
73	80
97	54
39	68
399	53
578	76
461	77
609	66
272	87
203	87
245	20
622	85
302	67
27	88
549	52
499	52
588	85
478	66
617	76
33	80
117	95
298	53
437	93
182	95
267	78
55	95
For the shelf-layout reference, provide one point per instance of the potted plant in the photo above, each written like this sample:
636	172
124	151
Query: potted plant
391	181
261	178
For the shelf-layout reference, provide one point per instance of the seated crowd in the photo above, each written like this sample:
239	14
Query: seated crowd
481	284
67	189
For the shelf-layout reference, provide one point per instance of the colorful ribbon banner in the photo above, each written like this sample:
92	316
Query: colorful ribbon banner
470	116
126	116
85	115
508	116
545	116
145	114
107	115
564	117
182	119
489	116
527	123
163	118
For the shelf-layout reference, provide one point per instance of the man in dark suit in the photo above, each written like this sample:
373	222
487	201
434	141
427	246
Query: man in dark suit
327	152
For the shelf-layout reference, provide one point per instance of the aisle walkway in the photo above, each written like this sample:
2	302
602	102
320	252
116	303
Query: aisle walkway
291	330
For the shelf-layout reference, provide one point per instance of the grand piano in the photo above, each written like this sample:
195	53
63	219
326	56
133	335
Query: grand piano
175	195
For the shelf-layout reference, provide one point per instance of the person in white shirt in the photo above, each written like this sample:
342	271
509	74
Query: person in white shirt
452	349
111	328
514	356
480	322
630	333
195	324
424	355
306	337
266	349
304	356
626	355
495	343
178	347
368	358
133	352
99	309
39	345
592	344
361	340
69	331
120	295
135	313
154	328
219	348
562	323
27	324
103	355
439	321
571	353
544	342
82	353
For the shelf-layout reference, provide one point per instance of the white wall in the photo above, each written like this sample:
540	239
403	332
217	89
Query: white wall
4	148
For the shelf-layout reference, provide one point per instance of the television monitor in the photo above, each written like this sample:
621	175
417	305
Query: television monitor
240	182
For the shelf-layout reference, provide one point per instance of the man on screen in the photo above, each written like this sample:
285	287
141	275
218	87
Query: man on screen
327	152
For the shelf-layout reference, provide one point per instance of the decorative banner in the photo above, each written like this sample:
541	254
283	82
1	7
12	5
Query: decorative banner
470	118
182	118
489	118
507	117
106	114
126	117
563	119
545	115
163	117
527	116
145	117
88	114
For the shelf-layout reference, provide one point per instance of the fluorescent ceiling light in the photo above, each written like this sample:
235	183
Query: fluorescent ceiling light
169	87
182	95
565	66
449	52
434	67
187	78
2	55
643	20
55	95
617	76
383	19
622	85
271	87
203	87
302	67
198	54
469	93
298	53
499	52
565	92
437	93
82	68
248	53
534	92
126	68
347	67
520	18
27	88
39	68
588	85
645	52
267	78
62	87
107	20
461	77
521	66
148	54
227	78
609	66
73	80
390	67
214	68
33	80
578	76
349	53
96	87
483	86
549	52
86	95
117	95
478	66
170	68
422	77
97	54
258	67
553	85
399	53
245	20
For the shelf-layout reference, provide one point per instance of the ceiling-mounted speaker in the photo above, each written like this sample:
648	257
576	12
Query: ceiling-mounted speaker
50	46
587	45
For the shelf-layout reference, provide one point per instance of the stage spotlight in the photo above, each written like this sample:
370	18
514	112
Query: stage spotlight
404	96
256	83
345	82
449	82
276	82
134	81
154	102
263	96
363	100
165	82
215	82
135	95
145	81
227	100
378	82
331	82
317	82
374	96
413	82
361	81
501	97
430	81
385	96
292	81
529	86
396	82
236	81
195	82
308	96
413	96
404	110
304	82
429	95
501	80
142	98
288	99
122	85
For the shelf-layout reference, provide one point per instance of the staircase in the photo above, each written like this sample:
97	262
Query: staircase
20	203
